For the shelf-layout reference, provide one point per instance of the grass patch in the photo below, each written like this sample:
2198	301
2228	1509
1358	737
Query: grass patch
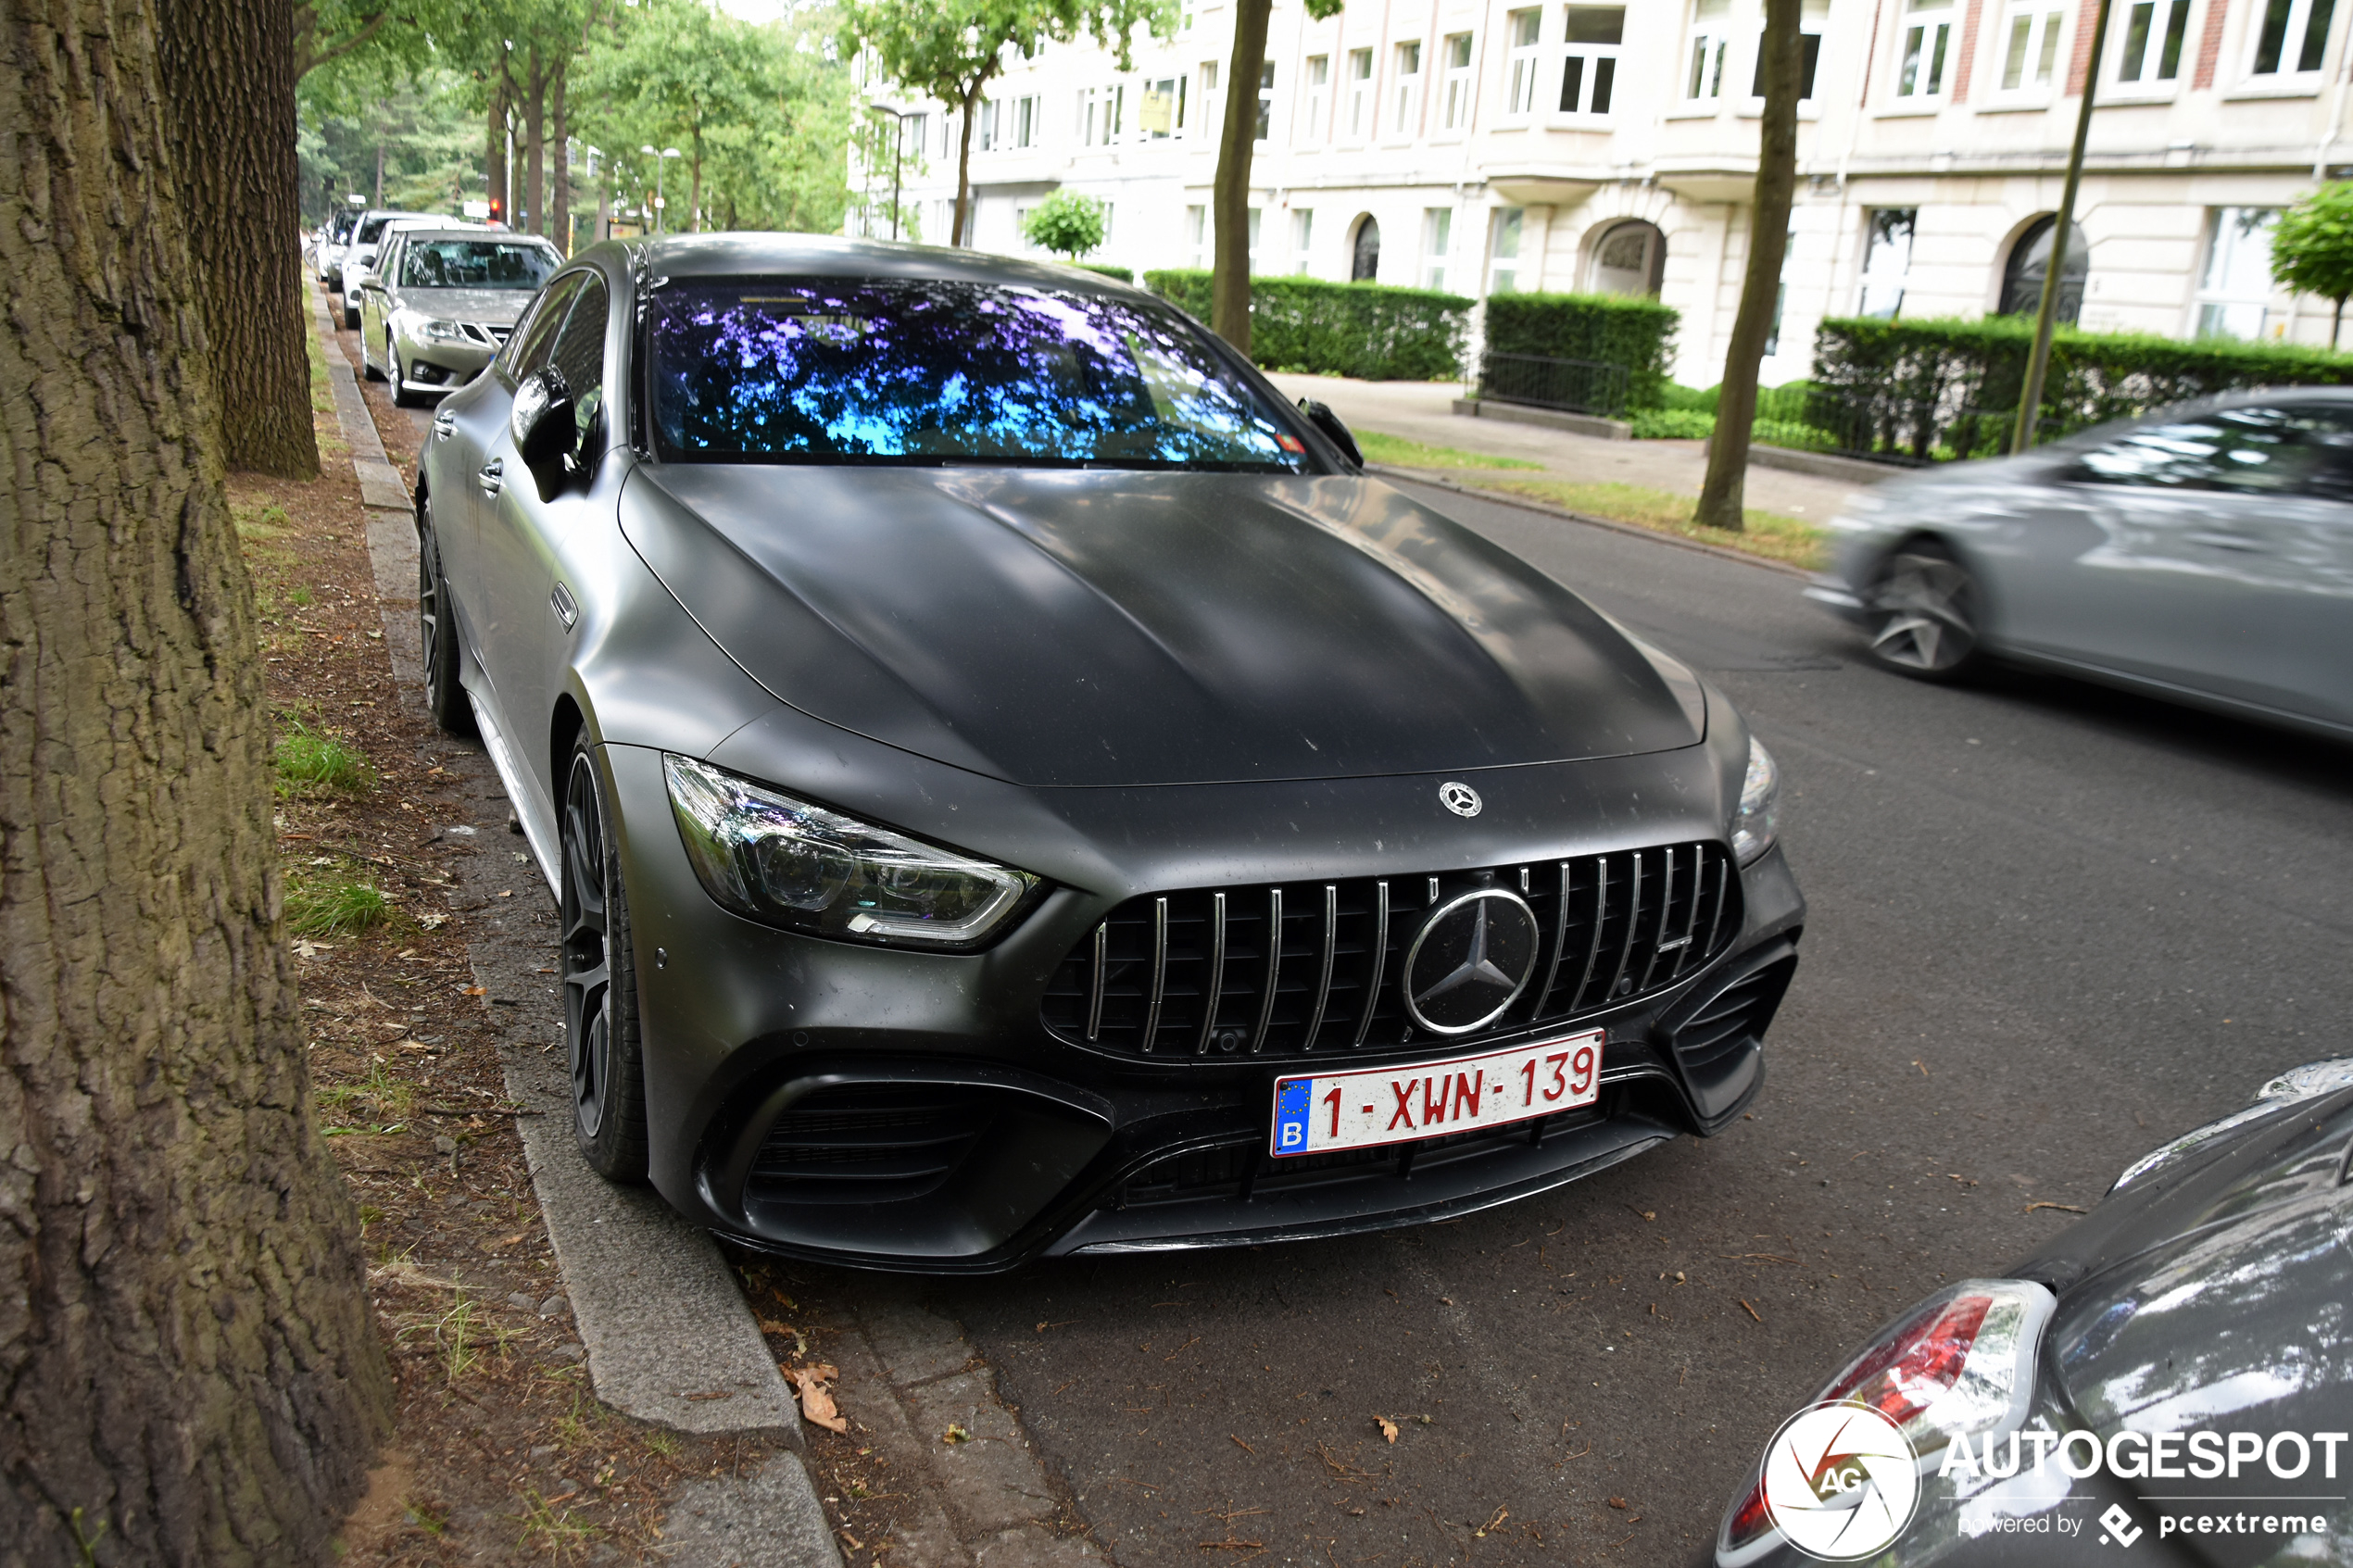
1398	452
323	397
380	1098
1769	535
334	909
307	759
552	1530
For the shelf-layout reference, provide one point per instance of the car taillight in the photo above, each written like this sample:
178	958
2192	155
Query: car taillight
1961	1361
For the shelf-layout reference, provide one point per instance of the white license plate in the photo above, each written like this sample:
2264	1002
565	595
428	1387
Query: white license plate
1314	1114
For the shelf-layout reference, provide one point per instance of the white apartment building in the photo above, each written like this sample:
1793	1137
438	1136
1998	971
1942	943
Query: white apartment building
1488	146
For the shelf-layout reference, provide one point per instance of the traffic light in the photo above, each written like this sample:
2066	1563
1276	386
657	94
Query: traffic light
498	210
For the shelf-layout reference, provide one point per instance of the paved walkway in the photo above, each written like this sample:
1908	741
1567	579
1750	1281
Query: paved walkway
1424	411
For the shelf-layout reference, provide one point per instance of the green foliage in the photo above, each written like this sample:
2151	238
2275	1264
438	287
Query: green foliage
429	136
1361	330
1398	452
1937	387
1608	329
1120	274
334	909
2312	246
1674	394
307	759
1066	224
1672	424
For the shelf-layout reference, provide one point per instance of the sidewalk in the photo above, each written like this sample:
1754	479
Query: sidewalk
1424	411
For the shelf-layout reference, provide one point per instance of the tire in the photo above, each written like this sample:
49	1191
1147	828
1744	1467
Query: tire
351	320
437	632
599	981
401	397
1924	616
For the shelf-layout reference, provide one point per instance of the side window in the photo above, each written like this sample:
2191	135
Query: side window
527	350
2245	451
579	353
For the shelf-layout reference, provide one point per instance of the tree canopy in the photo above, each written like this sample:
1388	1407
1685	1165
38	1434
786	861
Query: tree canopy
2312	249
1066	224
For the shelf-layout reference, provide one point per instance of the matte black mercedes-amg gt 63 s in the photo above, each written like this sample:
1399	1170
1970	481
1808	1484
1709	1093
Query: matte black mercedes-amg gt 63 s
1015	787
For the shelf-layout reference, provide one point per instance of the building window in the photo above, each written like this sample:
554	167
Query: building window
1630	258
1809	56
1302	238
1588	70
1363	258
1711	37
2030	263
1265	100
2152	42
1196	233
1094	117
985	137
2235	291
1438	234
1455	112
2293	36
1523	28
1360	93
1258	215
2030	44
1159	114
1319	82
1887	259
1503	266
1927	38
1407	99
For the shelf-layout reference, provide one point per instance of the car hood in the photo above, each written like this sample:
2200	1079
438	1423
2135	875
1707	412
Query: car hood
1114	628
494	307
2226	1298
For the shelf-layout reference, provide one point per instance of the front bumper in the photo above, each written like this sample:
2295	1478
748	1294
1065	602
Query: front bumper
911	1110
430	365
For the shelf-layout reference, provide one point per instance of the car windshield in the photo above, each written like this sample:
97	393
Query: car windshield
934	372
475	264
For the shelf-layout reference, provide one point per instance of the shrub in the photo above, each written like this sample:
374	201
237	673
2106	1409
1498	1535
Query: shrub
1120	274
1066	224
1672	425
1940	387
1608	329
1361	330
1674	394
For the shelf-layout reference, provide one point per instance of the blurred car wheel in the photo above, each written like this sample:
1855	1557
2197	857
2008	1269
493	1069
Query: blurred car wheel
1922	615
401	397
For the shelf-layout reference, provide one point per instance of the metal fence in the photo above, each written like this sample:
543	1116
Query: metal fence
1905	432
1577	386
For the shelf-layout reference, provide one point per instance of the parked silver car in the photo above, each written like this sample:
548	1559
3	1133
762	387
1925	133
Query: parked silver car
2203	553
443	301
360	251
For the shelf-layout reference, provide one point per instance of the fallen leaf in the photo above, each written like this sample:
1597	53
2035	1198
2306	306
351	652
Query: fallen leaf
816	1401
1387	1427
477	990
1618	1502
955	1434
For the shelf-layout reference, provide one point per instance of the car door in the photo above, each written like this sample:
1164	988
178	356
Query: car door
2291	530
528	629
375	304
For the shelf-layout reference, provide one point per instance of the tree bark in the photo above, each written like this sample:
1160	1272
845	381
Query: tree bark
1229	273
534	135
962	234
1722	495
189	1372
560	202
227	73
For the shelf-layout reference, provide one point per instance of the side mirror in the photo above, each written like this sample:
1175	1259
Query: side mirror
1320	415
546	434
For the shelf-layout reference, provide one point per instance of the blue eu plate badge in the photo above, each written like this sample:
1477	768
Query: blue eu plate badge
1294	1098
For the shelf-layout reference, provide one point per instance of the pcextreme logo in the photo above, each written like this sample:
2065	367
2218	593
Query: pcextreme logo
1840	1481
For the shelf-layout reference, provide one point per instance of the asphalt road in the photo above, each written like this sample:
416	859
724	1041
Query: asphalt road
2051	926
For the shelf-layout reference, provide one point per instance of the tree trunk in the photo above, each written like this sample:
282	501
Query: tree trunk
379	199
2336	323
227	76
494	156
560	204
694	194
535	142
961	236
189	1372
1721	497
1229	273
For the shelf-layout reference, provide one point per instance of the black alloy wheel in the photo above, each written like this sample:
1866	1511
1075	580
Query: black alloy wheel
1923	614
600	985
437	632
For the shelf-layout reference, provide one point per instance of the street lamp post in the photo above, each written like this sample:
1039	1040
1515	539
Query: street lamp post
661	208
898	158
2038	358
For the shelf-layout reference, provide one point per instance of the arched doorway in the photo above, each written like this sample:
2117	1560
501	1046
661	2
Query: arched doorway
1630	259
2030	262
1364	264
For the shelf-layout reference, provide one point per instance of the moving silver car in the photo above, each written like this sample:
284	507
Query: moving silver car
443	302
2203	553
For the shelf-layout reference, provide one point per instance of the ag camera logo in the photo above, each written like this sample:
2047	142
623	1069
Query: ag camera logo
1840	1481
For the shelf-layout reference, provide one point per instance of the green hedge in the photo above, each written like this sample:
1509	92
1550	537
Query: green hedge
1122	274
1361	330
1946	387
1610	329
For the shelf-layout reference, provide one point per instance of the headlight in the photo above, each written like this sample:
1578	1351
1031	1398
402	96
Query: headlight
1757	823
770	857
441	331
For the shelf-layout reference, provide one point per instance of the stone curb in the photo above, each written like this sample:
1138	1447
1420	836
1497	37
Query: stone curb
668	1336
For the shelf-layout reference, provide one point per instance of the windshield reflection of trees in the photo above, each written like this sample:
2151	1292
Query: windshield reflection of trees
865	372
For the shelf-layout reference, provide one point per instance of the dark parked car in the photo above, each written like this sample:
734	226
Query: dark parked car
2204	554
1015	787
2172	1374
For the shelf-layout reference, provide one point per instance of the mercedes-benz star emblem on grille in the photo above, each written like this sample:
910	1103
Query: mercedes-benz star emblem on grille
1471	960
1460	798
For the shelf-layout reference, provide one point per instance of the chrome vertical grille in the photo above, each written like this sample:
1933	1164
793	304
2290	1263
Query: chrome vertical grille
1298	968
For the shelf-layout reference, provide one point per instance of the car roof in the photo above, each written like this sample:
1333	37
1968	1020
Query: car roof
726	256
462	230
